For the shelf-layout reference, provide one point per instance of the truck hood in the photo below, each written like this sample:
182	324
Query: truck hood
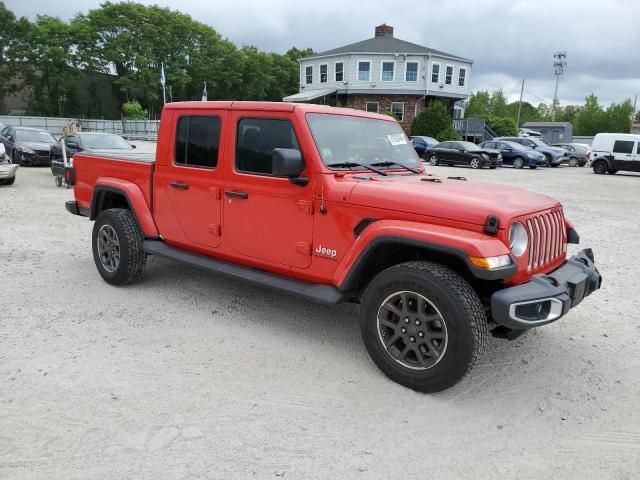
458	200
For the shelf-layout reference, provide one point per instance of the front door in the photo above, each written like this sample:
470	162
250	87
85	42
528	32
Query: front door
188	184
266	217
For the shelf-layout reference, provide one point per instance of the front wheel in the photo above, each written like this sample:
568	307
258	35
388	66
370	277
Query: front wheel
475	163
117	246
433	160
518	162
600	168
423	325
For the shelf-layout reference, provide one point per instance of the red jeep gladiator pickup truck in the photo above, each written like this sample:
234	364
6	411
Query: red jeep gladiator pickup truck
334	205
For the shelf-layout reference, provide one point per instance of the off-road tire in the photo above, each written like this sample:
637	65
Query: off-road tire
518	162
600	167
461	309
132	258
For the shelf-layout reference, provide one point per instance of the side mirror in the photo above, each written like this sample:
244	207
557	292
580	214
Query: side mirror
287	162
73	145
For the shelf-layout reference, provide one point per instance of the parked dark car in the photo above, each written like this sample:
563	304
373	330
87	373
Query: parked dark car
90	142
515	154
579	154
27	146
462	153
554	155
421	143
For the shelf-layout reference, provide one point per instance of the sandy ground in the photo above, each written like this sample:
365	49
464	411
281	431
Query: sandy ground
186	375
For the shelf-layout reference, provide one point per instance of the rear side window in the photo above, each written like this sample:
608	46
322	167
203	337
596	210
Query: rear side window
197	141
256	140
638	149
623	146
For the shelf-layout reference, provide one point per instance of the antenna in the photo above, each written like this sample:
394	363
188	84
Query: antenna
559	62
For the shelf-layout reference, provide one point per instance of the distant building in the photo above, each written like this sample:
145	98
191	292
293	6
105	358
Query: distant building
386	75
552	132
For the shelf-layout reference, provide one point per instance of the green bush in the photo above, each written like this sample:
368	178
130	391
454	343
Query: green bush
432	121
502	126
134	111
448	134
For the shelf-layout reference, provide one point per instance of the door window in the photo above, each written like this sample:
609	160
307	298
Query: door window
623	146
256	140
197	141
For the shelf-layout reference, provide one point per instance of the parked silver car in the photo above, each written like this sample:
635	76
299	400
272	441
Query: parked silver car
579	153
7	169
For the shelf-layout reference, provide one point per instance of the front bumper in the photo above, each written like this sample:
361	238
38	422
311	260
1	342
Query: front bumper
546	298
39	158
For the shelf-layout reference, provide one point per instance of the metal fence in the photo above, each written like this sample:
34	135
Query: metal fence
135	129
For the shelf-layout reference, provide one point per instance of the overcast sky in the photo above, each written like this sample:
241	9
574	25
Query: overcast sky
508	40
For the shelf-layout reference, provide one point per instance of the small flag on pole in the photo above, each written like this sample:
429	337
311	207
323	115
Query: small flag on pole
162	79
204	92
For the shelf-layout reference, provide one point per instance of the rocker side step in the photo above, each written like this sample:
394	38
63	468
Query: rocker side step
319	293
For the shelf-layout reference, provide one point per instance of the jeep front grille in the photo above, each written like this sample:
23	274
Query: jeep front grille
547	238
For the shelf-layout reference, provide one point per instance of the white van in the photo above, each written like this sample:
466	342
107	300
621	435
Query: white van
612	152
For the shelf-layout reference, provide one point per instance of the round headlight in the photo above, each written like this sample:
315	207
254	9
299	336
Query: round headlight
518	239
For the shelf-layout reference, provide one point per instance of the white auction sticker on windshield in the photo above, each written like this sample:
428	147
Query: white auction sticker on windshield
398	139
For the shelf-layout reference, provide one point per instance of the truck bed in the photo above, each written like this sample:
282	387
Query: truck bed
133	167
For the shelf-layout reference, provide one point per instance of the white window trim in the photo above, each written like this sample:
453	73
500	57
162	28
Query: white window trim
406	63
358	70
401	103
382	62
439	72
305	74
453	71
377	106
335	72
464	84
320	72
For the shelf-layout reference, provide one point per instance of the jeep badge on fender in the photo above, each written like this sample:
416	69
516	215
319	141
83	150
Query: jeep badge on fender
432	277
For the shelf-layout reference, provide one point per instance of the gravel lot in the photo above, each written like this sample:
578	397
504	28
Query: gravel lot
186	375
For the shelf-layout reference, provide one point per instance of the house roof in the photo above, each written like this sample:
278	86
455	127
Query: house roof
546	124
382	44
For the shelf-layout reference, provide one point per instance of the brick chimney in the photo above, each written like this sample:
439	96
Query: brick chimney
384	30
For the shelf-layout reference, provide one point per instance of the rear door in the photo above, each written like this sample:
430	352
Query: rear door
267	217
188	184
623	153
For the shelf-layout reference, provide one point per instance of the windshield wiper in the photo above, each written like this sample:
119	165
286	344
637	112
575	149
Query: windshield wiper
355	164
388	163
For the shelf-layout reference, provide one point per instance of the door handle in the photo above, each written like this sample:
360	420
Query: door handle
231	193
180	185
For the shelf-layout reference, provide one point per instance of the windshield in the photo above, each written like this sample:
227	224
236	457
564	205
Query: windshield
34	136
360	140
98	140
470	147
538	142
515	146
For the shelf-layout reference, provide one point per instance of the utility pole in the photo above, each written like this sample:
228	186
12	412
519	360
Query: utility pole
633	114
559	62
520	104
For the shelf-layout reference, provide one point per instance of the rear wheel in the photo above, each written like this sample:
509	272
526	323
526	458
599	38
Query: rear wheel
547	160
600	168
433	160
475	163
117	246
518	162
423	325
573	162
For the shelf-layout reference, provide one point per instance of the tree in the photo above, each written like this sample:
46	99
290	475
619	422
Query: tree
636	119
478	105
503	126
591	119
134	111
498	104
618	117
432	121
